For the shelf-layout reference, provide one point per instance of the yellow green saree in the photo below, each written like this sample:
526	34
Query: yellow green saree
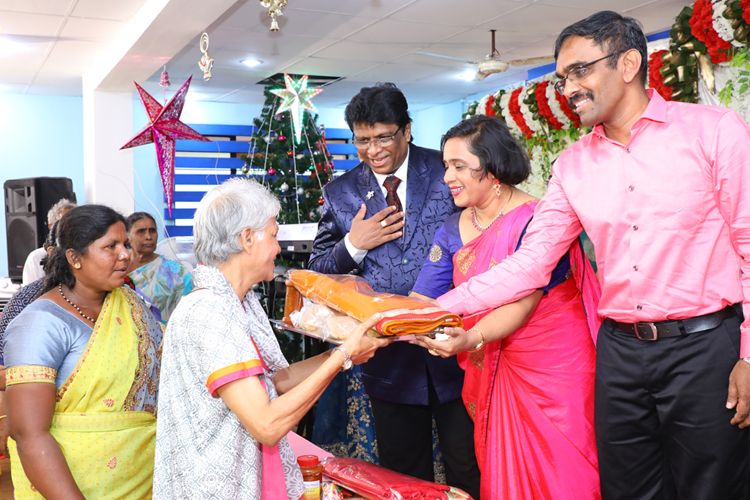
103	421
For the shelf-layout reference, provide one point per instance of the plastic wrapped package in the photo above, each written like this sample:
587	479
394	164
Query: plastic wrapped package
376	483
322	321
312	317
353	296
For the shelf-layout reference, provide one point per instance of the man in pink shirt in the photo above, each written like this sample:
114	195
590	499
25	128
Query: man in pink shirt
661	189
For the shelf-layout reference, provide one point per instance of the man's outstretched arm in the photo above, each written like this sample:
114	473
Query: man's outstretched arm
549	236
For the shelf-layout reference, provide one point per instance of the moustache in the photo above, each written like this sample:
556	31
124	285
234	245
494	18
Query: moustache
573	100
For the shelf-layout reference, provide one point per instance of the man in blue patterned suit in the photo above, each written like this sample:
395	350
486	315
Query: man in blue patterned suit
379	220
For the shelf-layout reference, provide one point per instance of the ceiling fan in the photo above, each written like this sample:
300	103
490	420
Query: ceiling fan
492	63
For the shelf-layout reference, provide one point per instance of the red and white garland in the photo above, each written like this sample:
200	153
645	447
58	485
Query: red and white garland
545	111
485	106
529	117
514	106
722	25
505	112
481	105
702	27
567	110
554	112
554	106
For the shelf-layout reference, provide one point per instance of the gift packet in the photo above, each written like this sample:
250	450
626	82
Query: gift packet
351	296
376	483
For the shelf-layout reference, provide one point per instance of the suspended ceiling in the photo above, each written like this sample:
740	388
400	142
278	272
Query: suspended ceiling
47	45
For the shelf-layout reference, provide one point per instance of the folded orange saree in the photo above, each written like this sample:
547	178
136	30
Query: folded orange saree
353	296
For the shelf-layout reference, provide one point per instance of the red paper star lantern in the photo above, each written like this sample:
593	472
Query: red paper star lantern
164	129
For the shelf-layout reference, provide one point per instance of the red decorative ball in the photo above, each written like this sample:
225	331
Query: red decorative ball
321	201
282	138
289	154
271	171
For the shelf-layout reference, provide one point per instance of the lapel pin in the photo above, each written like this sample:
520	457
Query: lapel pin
370	194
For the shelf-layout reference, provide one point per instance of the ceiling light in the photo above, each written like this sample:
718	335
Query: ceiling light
467	75
251	63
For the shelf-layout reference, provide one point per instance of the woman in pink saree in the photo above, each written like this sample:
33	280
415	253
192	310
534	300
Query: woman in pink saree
529	365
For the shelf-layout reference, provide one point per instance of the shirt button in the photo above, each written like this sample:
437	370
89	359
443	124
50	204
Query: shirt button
627	150
631	188
639	307
635	268
405	261
635	228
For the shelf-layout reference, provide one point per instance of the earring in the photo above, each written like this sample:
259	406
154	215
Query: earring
77	265
498	191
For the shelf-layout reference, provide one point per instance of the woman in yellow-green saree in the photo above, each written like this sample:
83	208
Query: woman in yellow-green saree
82	372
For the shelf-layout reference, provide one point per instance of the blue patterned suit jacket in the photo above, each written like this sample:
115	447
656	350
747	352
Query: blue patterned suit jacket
397	373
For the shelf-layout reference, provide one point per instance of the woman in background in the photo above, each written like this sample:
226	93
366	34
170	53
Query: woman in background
162	280
529	382
82	372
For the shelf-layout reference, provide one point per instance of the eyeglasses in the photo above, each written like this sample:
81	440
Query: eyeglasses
379	142
579	73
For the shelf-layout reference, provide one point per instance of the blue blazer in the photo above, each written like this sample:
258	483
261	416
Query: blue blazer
399	372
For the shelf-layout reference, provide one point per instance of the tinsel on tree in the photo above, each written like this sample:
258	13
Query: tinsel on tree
295	170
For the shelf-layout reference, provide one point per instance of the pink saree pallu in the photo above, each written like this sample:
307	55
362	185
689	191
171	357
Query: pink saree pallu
531	395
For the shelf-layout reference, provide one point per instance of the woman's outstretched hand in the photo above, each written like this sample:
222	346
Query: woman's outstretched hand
360	346
460	341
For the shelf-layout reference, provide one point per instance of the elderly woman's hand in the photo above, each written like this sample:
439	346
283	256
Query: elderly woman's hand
360	346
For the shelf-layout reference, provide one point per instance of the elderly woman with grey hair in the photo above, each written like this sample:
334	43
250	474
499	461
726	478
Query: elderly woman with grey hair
222	426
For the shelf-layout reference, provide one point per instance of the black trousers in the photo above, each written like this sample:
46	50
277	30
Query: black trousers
662	427
404	434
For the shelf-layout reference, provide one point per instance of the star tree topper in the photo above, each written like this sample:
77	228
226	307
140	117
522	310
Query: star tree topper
297	97
164	129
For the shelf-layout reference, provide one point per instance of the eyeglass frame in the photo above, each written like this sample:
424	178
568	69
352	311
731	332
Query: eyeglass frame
376	142
560	84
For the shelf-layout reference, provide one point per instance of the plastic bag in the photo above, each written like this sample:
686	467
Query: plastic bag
323	321
354	297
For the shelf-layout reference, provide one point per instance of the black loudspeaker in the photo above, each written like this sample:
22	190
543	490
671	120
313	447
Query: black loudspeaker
27	202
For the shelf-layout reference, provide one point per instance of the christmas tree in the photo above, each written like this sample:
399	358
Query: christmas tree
288	151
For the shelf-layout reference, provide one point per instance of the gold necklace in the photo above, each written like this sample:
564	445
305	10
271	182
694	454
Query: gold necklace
72	304
482	228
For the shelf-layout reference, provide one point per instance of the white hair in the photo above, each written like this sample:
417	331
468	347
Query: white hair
55	213
224	212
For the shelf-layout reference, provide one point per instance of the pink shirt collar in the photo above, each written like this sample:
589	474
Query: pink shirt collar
655	111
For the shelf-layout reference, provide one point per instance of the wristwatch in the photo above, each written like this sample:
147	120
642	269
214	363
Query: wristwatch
347	364
746	360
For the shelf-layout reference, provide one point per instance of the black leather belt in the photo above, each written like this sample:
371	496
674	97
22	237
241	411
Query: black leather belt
676	328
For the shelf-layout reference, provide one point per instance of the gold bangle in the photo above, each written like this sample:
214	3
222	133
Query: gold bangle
3	416
481	342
